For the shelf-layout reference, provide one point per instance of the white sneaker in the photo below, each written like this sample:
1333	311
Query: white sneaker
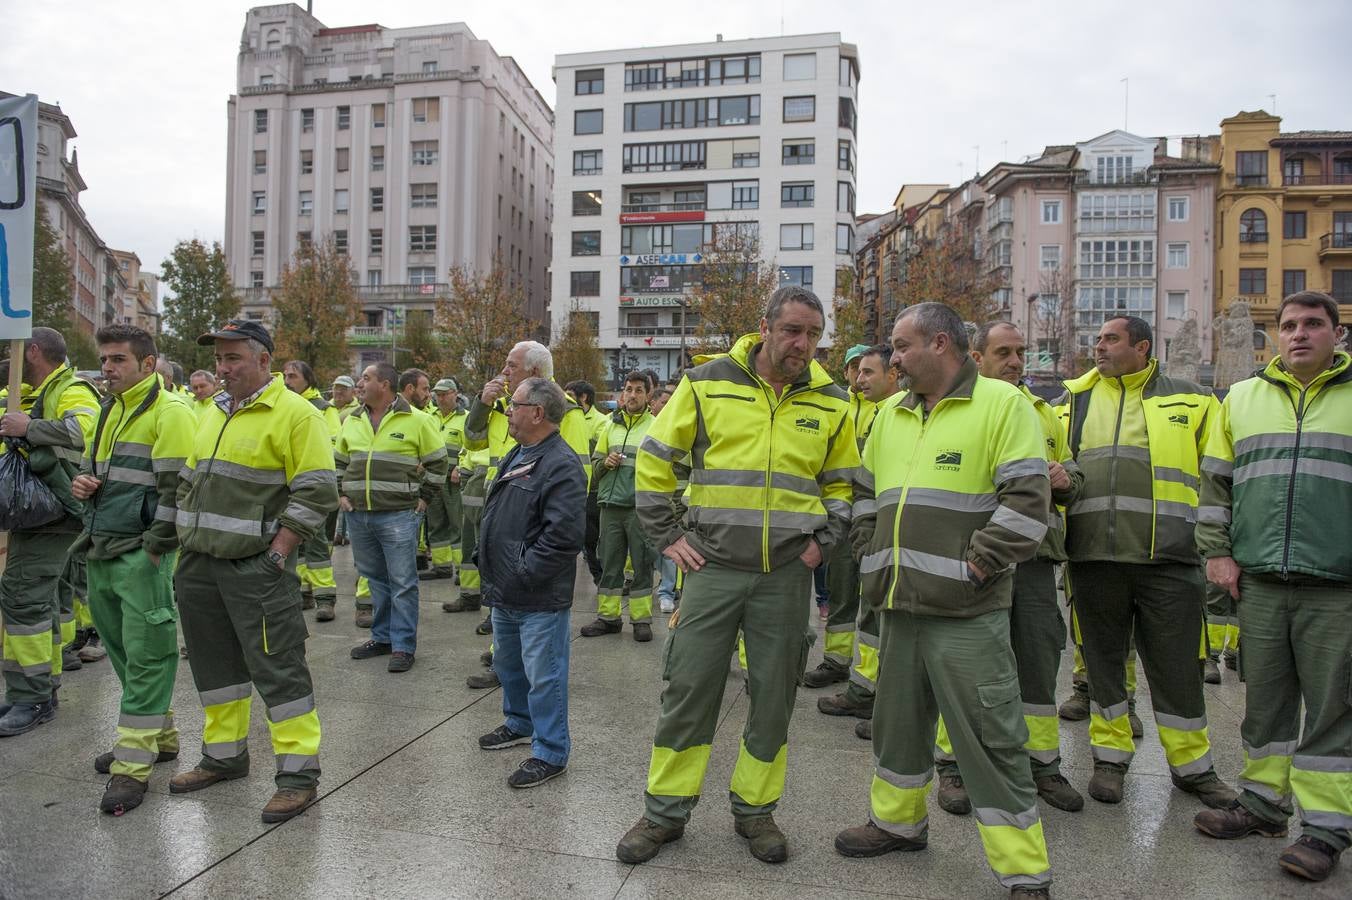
668	605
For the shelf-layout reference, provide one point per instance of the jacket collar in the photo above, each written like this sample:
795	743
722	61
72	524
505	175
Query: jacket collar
1276	372
138	391
1133	382
400	405
267	396
744	354
961	390
620	417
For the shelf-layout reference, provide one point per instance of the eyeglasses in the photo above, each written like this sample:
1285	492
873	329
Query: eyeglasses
512	404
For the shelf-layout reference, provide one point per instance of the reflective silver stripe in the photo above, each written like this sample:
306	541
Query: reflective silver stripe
226	749
18	630
1215	515
72	424
1330	820
729	477
398	487
990	817
864	478
867	684
439	453
471	501
321	477
1054	522
292	708
954	500
126	720
1327	441
1265	791
628	462
840	629
167	463
828	475
1116	711
41	668
131	476
838	508
1121	451
217	696
1103	504
1322	763
165	513
867	639
1276	748
74	457
864	508
1222	467
1178	723
1198	766
1169	473
891	495
933	564
1040	710
1035	879
785	482
1176	510
660	450
1319	468
652	498
133	755
240	472
916	831
129	448
1021	468
218	522
1046	757
1110	754
1018	523
296	762
872	562
905	782
755	518
1264	442
434	478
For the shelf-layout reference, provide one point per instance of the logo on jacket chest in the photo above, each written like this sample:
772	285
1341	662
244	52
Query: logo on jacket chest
807	424
1179	419
948	460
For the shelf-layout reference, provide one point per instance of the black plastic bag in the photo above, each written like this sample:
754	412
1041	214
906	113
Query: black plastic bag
25	501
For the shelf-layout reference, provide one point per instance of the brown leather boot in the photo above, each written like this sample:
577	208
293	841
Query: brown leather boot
197	778
288	802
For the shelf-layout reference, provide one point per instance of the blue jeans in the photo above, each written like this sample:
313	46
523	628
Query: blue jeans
385	549
530	655
819	584
666	588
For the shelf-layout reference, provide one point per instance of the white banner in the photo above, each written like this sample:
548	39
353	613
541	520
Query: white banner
18	211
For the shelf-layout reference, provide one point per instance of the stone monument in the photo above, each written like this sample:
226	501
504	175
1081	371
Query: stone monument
1185	352
1234	345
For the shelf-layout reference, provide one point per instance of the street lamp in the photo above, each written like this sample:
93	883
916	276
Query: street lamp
394	348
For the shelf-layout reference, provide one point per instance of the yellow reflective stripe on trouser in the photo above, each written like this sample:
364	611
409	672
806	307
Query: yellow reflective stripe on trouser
317	577
1015	846
363	588
1044	736
28	648
1110	733
1215	635
140	739
677	773
1186	744
1267	772
897	803
943	745
865	673
607	605
457	556
1323	785
225	733
443	555
839	645
757	782
295	735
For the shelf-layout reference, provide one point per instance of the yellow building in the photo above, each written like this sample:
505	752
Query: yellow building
1283	217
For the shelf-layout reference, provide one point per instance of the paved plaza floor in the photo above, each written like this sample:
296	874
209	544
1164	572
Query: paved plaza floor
410	807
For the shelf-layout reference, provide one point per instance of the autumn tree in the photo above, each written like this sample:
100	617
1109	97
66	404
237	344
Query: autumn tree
420	347
945	268
735	284
203	298
1053	322
480	322
314	306
53	279
577	355
850	323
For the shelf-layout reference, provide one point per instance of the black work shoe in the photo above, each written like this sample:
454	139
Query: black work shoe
870	840
841	705
365	616
825	673
486	658
534	772
501	738
400	662
370	649
483	680
1028	892
307	600
643	632
1058	792
436	575
1209	789
1231	658
1106	784
1076	707
1310	858
122	794
486	626
952	795
461	604
25	717
642	842
1137	729
70	661
324	611
600	627
767	842
1236	822
1211	671
864	730
103	763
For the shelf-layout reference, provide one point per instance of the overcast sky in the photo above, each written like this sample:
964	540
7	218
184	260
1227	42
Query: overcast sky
146	82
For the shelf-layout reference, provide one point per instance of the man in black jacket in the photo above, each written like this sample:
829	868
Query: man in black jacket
529	540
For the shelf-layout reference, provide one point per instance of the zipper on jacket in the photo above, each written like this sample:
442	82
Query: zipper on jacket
197	516
1112	476
1291	484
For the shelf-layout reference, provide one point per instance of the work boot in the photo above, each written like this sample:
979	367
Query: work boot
93	650
1310	858
197	778
365	614
1105	785
1137	729
768	843
370	649
436	575
288	803
307	600
486	658
103	763
1209	789
825	673
324	611
1236	822
642	842
81	637
483	680
1058	792
1076	707
1231	658
952	795
870	840
400	661
463	603
643	632
600	627
23	717
70	660
122	794
842	705
864	730
424	562
1211	671
486	626
1028	892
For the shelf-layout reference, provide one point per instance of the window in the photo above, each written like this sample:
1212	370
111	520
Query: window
749	159
659	115
260	202
795	237
303	238
1116	212
257	243
377	159
307	162
796	193
340	240
260	121
586	243
340	200
1178	209
1095	304
847	76
745	194
375	241
1342	285
1293	281
1176	255
343	155
588	121
307	120
586	203
1049	256
1293	225
429	66
422	275
1117	259
1051	212
426	110
424	153
845	156
265	80
306	203
800	109
586	162
256	279
844	238
800	66
1253	227
1253	281
799	275
273	40
377	199
422	196
584	284
374	277
739	111
378	116
1251	167
422	238
846	117
799	153
844	197
666	157
589	81
344	118
260	162
1176	304
1113	170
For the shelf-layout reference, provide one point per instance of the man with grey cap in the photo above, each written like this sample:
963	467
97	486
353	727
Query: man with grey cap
444	510
345	396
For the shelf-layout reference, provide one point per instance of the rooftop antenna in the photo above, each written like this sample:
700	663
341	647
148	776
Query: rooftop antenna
1273	98
1126	97
977	148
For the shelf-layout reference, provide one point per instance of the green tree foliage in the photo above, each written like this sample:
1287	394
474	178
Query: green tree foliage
480	322
313	308
203	298
577	356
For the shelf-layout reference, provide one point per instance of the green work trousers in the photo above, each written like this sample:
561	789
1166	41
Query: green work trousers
621	541
842	590
863	685
132	602
1222	622
1298	649
771	610
31	606
963	669
243	626
444	515
472	505
315	569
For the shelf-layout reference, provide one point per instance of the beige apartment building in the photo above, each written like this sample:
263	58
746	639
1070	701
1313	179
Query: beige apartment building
414	149
140	300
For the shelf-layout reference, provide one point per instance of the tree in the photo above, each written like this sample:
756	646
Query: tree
203	299
946	269
577	356
1053	322
313	308
480	322
850	322
53	280
735	283
419	347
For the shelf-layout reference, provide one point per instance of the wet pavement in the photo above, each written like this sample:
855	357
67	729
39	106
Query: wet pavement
410	807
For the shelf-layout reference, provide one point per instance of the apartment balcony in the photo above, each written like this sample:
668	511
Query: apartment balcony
1258	180
695	206
370	294
1336	244
690	330
373	336
1300	179
1085	179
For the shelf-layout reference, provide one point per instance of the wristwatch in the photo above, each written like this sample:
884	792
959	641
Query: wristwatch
276	558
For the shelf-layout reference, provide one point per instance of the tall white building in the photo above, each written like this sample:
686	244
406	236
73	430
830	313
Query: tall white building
660	147
416	149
